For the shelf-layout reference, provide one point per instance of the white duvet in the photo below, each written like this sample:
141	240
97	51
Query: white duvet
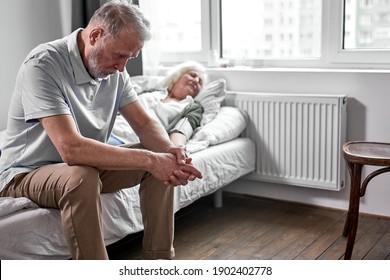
9	205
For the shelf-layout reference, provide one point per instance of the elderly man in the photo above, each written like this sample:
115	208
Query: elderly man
67	95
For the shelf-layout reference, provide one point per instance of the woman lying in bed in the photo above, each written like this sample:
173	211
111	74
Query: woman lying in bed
174	105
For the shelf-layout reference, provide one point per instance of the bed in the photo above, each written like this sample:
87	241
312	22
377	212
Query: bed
30	232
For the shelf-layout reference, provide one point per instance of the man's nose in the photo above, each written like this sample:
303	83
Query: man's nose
120	66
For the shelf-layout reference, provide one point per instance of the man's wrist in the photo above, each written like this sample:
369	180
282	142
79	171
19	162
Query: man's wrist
148	161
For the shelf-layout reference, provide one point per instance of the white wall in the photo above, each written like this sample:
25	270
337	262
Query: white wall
368	114
24	25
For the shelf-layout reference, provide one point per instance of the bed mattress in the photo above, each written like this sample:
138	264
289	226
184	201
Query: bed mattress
30	232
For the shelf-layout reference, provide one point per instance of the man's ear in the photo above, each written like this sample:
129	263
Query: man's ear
95	35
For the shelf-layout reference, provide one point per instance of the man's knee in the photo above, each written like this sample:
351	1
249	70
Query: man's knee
83	179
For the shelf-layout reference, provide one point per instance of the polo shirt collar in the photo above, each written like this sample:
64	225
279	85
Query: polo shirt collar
80	72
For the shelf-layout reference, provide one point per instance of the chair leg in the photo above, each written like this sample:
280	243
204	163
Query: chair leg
348	219
347	224
351	224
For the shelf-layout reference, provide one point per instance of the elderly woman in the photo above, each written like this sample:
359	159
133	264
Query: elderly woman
173	105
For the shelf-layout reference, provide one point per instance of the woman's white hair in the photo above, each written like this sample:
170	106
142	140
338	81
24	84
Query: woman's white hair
176	72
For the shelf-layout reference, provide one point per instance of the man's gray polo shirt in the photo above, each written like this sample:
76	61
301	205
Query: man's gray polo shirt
53	81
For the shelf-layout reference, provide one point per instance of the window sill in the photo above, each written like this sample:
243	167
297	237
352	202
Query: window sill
299	70
243	69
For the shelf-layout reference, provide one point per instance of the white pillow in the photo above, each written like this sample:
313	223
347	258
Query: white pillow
146	83
228	124
2	138
211	97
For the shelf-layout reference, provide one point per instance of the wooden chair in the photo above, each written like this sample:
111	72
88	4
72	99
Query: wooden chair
357	154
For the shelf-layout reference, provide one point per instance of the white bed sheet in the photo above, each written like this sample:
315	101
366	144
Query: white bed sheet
35	233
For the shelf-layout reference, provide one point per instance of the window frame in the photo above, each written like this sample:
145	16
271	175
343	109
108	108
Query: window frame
363	58
168	58
333	55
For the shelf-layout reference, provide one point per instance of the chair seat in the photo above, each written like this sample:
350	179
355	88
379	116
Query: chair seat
371	153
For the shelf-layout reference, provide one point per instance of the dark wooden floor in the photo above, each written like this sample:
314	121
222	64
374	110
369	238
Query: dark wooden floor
254	228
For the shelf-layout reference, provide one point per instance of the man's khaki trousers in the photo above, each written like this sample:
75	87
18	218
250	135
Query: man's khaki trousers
75	191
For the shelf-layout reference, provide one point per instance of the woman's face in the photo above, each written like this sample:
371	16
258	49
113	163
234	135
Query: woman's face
190	83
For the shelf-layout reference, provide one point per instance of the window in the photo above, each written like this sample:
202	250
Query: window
275	33
365	38
180	30
246	29
371	30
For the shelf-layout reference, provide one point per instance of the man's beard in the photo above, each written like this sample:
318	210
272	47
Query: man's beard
94	70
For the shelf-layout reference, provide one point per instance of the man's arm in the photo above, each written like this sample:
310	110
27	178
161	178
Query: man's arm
150	133
78	150
153	136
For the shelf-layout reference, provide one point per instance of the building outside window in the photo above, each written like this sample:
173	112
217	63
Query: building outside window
309	33
371	27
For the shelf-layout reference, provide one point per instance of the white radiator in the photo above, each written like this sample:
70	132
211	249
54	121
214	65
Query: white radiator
298	137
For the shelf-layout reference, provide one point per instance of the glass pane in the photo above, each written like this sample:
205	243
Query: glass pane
175	30
271	29
367	24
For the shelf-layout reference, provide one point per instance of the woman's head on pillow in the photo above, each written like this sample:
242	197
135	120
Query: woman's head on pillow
191	68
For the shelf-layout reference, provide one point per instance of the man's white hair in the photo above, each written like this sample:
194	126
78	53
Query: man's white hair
176	72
